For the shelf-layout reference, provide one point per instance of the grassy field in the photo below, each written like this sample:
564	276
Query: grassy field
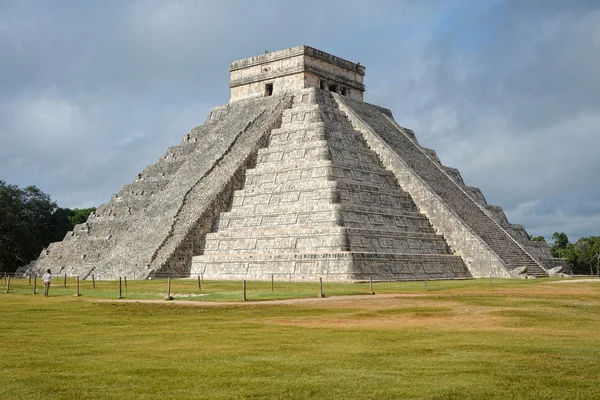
516	339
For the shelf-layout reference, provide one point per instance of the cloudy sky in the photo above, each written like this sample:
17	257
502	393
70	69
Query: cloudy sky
507	91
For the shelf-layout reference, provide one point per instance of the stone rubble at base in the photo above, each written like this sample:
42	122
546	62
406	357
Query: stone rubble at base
296	176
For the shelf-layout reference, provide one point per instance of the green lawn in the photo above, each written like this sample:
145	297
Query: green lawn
514	339
188	289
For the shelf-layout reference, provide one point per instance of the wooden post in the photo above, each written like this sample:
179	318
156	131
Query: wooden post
34	284
77	294
169	289
65	283
371	285
321	286
199	284
120	292
125	282
8	285
93	281
29	279
272	283
244	290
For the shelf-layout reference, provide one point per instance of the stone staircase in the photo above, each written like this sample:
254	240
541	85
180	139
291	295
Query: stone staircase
151	225
319	202
449	187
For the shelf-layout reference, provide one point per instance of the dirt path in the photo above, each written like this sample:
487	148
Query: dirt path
194	303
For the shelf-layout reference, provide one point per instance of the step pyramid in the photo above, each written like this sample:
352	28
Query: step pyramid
298	177
319	203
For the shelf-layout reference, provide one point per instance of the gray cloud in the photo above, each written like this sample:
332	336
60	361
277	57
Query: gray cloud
91	92
517	110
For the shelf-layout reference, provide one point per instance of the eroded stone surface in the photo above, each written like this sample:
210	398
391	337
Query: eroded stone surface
320	203
298	177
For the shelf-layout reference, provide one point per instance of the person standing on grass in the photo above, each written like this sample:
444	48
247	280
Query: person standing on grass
47	279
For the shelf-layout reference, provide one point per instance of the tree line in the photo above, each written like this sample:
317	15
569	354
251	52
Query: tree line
29	222
583	255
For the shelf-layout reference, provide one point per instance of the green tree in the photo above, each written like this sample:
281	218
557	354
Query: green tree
560	240
588	254
29	221
80	215
538	239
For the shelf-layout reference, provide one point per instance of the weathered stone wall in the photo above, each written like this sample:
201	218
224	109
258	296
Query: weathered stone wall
537	250
281	85
478	256
212	195
147	225
320	202
461	201
294	69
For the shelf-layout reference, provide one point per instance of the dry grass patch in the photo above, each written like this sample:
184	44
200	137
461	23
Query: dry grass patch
460	340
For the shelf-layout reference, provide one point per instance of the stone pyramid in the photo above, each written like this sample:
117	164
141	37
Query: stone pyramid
298	177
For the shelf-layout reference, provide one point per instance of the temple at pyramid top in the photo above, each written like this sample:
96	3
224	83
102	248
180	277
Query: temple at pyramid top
295	68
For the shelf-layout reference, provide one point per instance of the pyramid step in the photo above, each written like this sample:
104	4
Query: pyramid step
320	156
181	151
102	228
340	151
276	166
165	167
275	241
369	208
373	240
330	215
399	200
316	184
321	169
338	266
256	209
310	113
320	143
320	195
373	174
343	176
322	239
316	131
350	141
293	119
313	128
283	186
364	211
331	194
361	186
346	156
316	151
410	222
438	179
143	187
296	140
288	218
299	108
